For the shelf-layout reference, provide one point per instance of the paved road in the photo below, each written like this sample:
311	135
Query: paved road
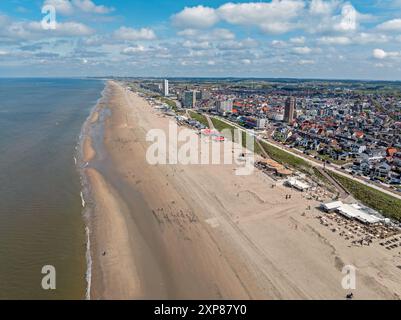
332	167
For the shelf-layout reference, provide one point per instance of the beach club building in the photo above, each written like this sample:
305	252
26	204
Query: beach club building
351	211
275	167
298	184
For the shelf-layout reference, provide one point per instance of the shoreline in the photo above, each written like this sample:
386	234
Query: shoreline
199	232
84	154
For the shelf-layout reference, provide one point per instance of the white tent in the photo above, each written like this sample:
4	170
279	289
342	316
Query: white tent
302	186
351	211
331	206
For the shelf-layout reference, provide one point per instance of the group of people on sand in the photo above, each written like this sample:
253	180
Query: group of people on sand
288	196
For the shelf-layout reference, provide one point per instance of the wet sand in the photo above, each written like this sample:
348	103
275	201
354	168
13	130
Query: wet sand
89	152
201	232
94	117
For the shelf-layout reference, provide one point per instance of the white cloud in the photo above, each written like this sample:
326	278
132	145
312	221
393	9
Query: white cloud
188	33
320	7
63	7
215	34
67	7
298	40
381	54
359	38
340	40
306	62
134	50
276	27
29	30
72	29
270	17
347	19
4	21
129	34
196	45
279	43
366	38
391	25
196	17
89	6
222	34
340	18
277	16
238	45
302	50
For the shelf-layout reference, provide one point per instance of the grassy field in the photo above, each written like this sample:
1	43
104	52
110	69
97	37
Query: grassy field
199	117
321	179
171	103
382	202
281	156
287	158
221	125
275	153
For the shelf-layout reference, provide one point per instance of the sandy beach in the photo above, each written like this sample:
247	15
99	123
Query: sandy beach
94	117
89	152
201	232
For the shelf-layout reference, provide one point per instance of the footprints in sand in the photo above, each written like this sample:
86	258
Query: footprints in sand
170	216
248	195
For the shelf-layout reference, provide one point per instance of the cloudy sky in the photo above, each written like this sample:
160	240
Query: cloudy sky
355	39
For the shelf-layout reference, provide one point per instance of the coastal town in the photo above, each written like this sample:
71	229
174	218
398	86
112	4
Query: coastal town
350	128
193	153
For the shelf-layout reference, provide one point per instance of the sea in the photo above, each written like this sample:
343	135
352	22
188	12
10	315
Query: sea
43	239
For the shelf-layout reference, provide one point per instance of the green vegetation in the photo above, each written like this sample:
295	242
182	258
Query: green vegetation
221	125
286	158
276	154
322	180
283	157
171	103
320	176
199	117
327	157
386	204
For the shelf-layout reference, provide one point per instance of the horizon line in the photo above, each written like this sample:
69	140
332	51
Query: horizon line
198	77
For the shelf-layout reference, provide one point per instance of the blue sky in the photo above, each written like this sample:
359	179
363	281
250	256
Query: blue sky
356	39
